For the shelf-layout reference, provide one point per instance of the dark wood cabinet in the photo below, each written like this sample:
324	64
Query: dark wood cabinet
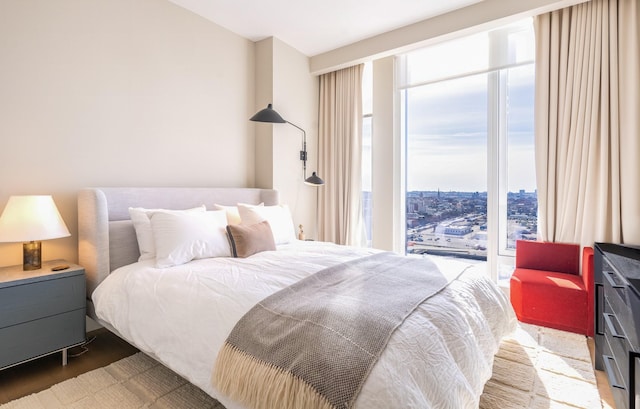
617	320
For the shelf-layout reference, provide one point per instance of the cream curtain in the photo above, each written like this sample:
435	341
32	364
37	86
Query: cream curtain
340	157
587	131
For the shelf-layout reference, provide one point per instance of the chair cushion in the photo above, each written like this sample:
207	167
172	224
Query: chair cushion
550	299
550	280
547	256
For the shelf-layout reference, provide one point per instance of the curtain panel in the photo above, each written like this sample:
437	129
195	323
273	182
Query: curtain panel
587	132
340	157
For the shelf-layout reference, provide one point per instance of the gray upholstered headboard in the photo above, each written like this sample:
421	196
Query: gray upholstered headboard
106	237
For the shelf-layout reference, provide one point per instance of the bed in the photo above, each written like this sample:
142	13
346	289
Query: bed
182	315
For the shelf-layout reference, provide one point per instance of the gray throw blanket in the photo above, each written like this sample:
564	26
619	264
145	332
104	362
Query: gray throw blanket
313	344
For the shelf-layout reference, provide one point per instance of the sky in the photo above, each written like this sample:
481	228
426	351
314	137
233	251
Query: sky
446	123
447	136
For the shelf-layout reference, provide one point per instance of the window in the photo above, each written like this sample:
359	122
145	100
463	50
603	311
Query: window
467	120
446	161
367	114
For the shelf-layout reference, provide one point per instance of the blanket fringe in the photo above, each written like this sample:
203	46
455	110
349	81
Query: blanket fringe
260	385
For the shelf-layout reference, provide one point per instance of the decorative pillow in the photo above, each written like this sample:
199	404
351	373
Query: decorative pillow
182	237
141	223
279	218
233	216
247	240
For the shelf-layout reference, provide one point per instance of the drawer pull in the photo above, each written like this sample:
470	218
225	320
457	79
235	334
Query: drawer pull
599	299
611	374
614	331
608	275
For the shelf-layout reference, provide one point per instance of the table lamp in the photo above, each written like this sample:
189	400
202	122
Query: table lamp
30	219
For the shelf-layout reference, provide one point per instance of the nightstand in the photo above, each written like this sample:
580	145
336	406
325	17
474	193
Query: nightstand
41	312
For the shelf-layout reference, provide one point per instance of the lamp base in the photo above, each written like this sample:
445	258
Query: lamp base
31	255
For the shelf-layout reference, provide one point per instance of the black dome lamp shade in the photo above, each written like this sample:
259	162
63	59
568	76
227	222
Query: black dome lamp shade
268	115
314	180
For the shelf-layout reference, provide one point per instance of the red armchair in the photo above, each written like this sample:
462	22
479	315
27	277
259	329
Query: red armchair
547	288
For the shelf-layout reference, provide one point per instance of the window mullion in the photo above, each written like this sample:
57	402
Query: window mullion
493	158
502	163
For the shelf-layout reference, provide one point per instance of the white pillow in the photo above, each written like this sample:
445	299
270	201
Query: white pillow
233	216
279	218
141	223
182	237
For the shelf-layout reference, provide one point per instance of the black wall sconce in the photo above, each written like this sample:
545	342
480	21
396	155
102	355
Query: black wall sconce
270	115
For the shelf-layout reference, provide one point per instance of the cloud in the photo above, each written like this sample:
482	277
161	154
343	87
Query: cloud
448	133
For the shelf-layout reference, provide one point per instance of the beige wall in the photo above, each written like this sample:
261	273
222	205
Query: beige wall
264	96
296	96
283	78
118	92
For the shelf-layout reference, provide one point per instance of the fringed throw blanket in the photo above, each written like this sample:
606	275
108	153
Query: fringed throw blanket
313	344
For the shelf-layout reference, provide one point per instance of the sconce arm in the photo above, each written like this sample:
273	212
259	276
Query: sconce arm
303	152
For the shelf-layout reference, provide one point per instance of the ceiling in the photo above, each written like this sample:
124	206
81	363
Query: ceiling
314	27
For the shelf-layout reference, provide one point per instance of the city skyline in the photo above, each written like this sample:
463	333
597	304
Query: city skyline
455	223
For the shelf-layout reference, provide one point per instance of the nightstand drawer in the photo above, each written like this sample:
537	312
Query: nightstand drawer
46	335
27	302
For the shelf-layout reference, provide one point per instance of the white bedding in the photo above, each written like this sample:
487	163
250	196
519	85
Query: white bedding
439	358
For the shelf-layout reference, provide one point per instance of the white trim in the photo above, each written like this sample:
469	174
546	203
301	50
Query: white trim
482	16
493	170
384	175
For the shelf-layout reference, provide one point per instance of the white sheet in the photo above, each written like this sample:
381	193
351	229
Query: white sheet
439	358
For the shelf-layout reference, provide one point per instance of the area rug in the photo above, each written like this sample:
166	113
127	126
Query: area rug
539	368
535	368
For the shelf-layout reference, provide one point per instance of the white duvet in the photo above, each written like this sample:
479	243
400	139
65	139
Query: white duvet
440	357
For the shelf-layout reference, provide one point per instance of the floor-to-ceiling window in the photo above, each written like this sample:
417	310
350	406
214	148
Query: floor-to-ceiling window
467	119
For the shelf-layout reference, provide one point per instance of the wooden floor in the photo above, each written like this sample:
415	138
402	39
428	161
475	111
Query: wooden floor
40	374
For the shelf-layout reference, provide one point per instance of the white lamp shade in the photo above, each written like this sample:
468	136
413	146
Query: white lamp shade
31	218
